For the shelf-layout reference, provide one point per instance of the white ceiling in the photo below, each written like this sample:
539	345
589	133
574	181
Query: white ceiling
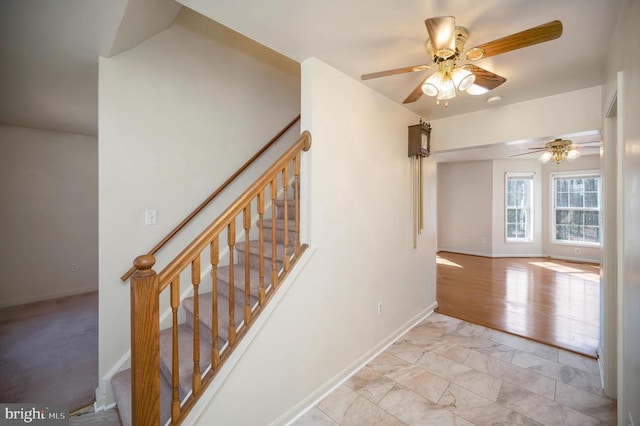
49	52
50	48
359	37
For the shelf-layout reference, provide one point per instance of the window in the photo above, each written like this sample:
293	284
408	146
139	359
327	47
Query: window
519	207
576	208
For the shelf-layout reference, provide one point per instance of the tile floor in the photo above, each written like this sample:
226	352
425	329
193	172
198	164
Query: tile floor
446	371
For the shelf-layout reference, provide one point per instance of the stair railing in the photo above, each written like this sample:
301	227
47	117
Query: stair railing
214	194
273	262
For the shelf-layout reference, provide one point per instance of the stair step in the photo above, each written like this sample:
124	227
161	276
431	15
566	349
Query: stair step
268	225
291	205
239	281
121	383
205	300
254	259
185	355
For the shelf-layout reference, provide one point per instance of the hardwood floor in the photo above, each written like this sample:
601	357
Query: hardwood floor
547	300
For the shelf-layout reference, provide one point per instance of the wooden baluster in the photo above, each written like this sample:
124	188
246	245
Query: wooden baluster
195	280
261	291
274	253
175	368
285	190
247	271
145	343
231	240
296	200
215	350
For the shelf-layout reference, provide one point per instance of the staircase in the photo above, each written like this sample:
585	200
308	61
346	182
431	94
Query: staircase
242	281
121	382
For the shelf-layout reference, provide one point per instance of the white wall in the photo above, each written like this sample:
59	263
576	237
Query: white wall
477	187
178	115
623	76
541	118
500	247
48	214
465	196
357	196
587	253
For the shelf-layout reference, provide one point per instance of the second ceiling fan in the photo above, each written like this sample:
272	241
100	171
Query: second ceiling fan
446	47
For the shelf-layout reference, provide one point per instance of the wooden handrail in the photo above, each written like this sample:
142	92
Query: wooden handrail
171	271
214	194
221	323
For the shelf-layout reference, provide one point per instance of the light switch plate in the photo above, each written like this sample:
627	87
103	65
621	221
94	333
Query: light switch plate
150	217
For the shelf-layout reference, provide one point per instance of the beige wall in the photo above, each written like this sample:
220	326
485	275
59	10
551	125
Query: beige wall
465	197
542	118
357	207
48	214
623	78
178	115
471	206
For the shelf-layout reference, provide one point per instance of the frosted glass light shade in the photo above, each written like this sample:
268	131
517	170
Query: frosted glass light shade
545	157
430	86
463	78
573	154
447	90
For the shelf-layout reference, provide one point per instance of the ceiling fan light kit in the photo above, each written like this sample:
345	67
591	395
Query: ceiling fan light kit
559	150
443	83
445	46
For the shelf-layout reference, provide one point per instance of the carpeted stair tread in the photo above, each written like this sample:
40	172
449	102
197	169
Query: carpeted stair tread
239	281
254	247
205	314
121	383
185	355
268	225
290	208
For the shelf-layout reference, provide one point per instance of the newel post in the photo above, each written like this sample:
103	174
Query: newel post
145	343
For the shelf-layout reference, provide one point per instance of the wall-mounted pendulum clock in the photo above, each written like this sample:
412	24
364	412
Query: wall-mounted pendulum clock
419	147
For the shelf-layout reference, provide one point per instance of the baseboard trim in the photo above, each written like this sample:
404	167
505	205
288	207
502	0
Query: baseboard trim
469	252
600	359
58	295
502	255
309	402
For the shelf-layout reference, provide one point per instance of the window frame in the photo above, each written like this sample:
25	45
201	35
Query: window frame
577	174
529	214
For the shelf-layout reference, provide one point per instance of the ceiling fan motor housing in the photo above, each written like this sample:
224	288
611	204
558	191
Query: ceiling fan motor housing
462	35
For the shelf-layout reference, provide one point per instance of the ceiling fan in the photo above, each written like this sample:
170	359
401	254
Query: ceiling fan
559	150
446	47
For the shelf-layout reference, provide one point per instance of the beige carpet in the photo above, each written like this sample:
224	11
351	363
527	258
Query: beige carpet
49	351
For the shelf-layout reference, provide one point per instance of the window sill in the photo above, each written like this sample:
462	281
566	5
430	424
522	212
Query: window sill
576	244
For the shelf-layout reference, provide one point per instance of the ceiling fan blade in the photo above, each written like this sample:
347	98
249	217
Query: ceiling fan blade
414	68
485	78
540	34
442	33
538	149
416	94
527	153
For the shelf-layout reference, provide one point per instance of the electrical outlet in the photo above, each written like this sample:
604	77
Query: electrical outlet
379	308
74	267
483	240
577	251
150	217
